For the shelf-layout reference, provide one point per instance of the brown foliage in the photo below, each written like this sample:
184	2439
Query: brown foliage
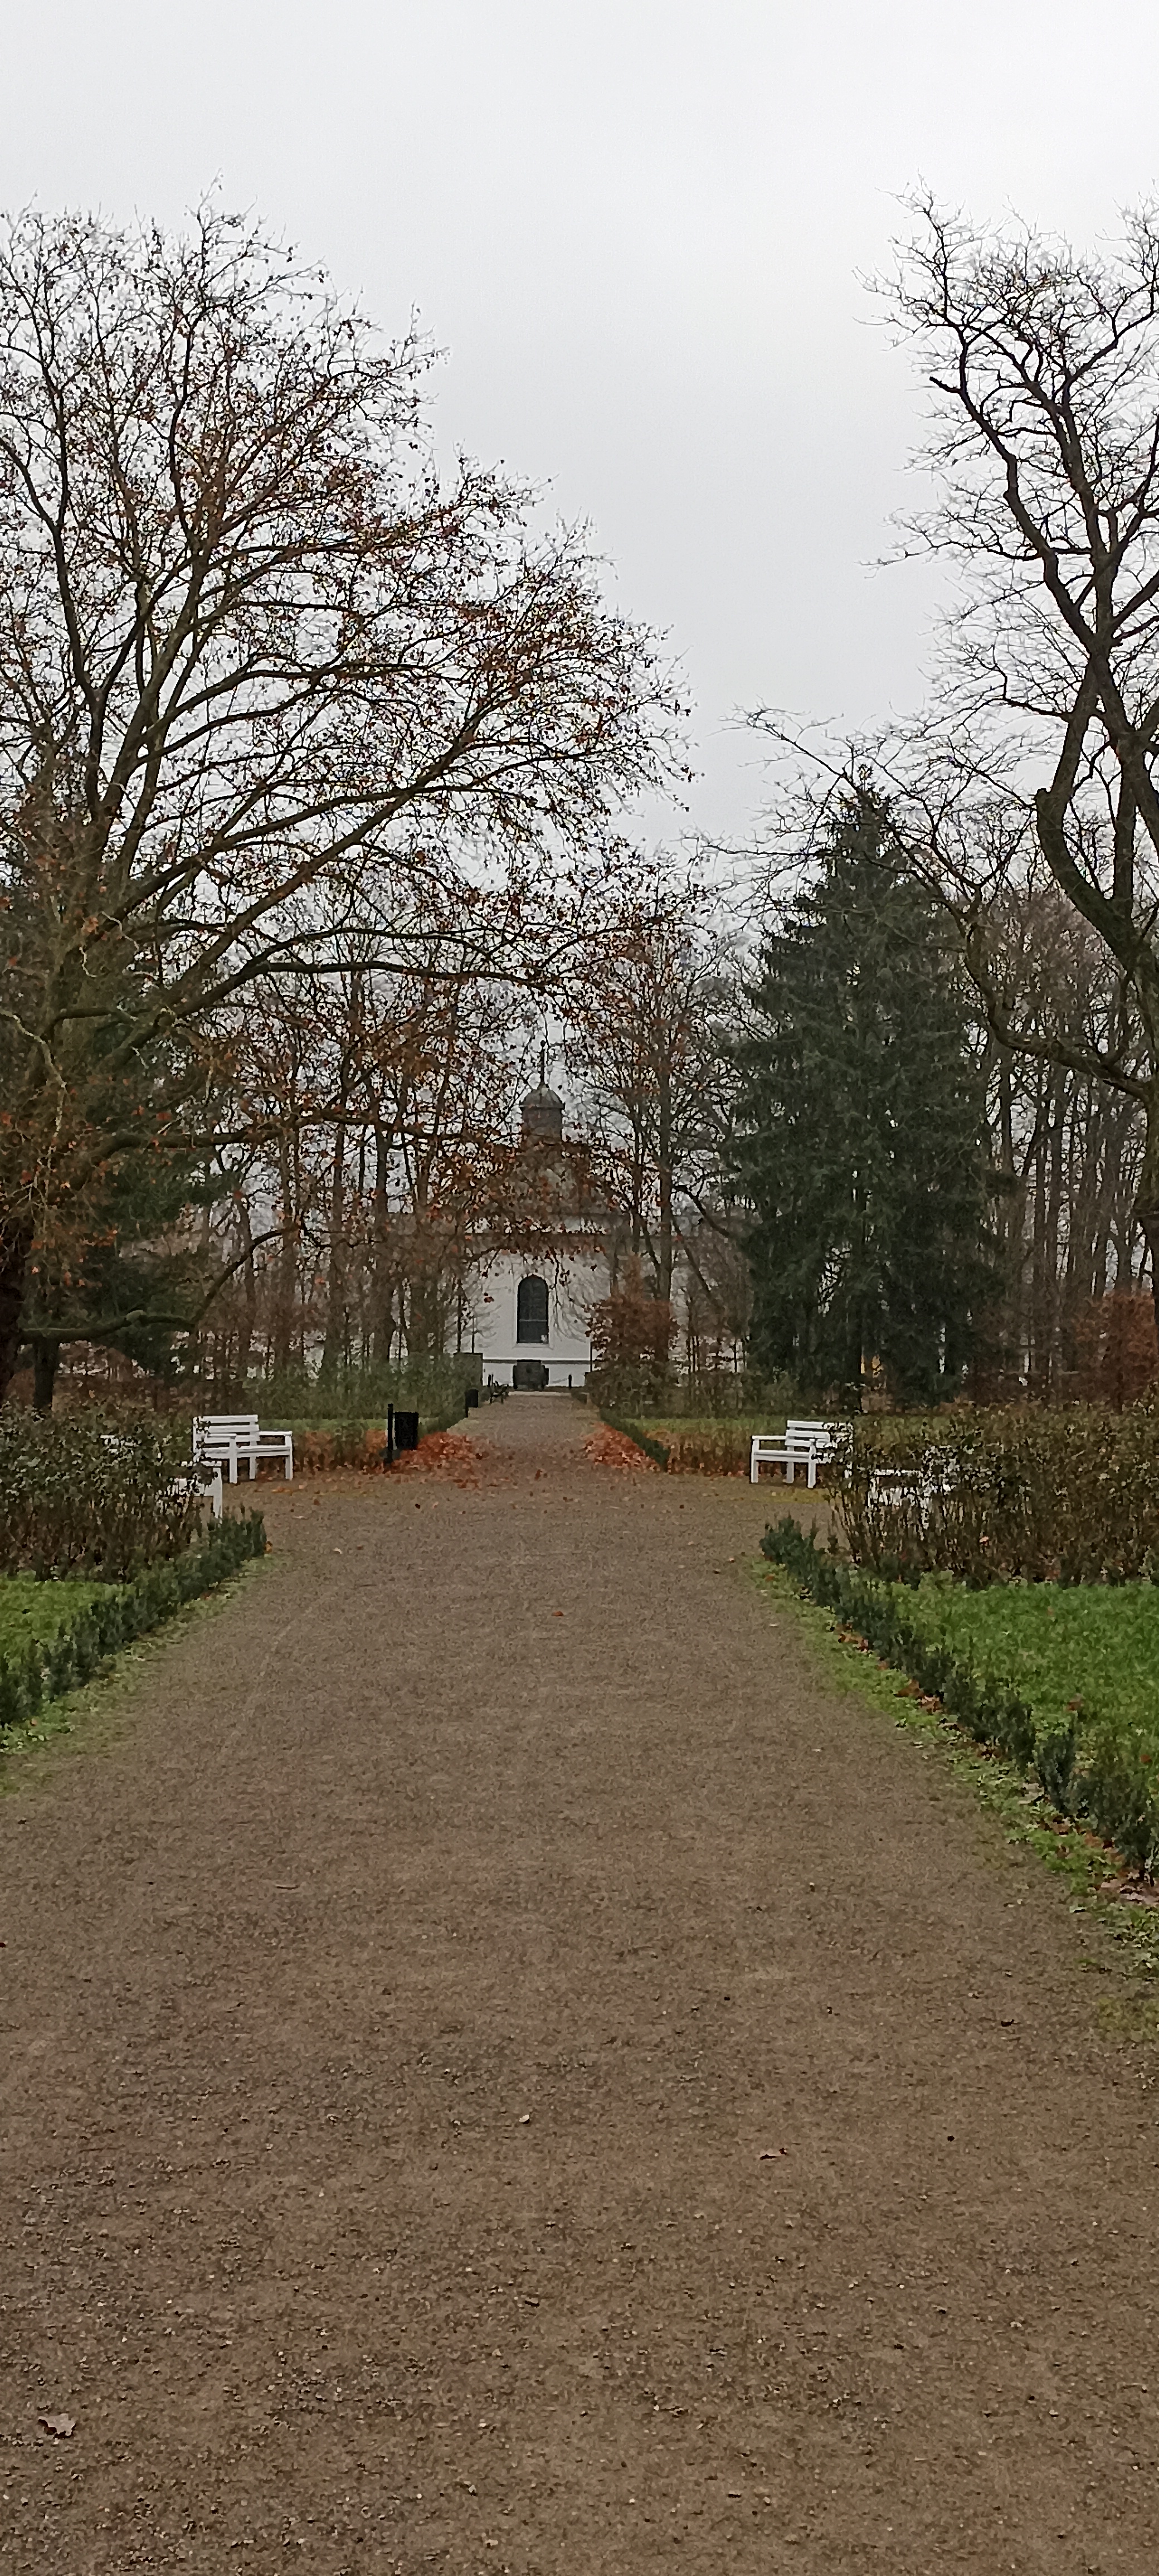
633	1334
1116	1350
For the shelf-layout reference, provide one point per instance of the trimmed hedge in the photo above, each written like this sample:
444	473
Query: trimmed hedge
631	1430
47	1669
1107	1773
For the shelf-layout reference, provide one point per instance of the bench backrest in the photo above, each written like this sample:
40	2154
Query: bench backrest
228	1426
810	1435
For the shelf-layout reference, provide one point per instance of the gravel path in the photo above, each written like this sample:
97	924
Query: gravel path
502	2071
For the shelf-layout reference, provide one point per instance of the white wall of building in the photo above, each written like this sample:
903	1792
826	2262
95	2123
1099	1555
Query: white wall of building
574	1280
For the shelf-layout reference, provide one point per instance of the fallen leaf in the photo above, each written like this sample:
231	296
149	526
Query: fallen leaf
61	2425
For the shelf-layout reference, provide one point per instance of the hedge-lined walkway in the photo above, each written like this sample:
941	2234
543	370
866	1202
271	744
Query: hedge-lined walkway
502	2070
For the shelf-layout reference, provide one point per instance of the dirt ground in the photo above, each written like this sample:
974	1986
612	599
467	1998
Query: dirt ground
504	2070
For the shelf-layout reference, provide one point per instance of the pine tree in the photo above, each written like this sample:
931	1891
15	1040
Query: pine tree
861	1132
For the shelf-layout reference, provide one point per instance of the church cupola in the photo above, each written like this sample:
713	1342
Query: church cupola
541	1115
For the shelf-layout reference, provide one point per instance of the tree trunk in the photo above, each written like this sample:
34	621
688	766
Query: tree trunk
664	1183
15	1253
282	1336
1039	1293
45	1363
245	1339
1146	1210
382	1276
1058	1107
335	1347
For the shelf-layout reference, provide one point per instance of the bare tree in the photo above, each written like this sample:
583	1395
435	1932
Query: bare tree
1044	366
1064	1143
248	647
646	998
379	1102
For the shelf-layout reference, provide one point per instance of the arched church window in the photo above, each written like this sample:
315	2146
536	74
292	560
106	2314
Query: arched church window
531	1310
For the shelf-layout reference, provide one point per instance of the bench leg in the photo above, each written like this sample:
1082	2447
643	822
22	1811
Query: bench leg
812	1475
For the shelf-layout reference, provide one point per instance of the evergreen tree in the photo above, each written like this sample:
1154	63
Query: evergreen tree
861	1126
128	1272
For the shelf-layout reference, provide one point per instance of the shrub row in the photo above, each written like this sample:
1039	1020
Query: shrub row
432	1387
720	1448
352	1444
1071	1496
1106	1774
45	1670
644	1440
363	1444
90	1494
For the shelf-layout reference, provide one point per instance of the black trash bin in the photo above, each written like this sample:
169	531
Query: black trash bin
406	1430
472	1404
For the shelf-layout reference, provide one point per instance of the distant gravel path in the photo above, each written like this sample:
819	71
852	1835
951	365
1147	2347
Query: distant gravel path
503	2071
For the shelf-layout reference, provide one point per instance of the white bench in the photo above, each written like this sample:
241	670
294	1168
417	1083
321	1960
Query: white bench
227	1437
805	1444
201	1481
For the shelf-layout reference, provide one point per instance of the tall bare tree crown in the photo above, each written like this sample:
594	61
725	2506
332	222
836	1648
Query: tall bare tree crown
253	653
1043	365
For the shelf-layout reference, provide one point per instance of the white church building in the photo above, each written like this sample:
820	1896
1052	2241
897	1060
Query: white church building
529	1299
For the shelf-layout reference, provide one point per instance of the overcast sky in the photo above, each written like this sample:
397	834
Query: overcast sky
636	227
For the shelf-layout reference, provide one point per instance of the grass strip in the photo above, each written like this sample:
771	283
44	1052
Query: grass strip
58	1656
1067	1648
1091	1804
32	1610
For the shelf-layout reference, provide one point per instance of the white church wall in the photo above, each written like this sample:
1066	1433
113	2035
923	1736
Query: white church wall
573	1280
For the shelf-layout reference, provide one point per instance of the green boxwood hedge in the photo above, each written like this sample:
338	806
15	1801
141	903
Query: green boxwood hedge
1101	1768
47	1668
652	1448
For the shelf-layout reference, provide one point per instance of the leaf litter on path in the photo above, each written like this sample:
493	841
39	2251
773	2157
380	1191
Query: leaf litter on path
445	1454
613	1449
